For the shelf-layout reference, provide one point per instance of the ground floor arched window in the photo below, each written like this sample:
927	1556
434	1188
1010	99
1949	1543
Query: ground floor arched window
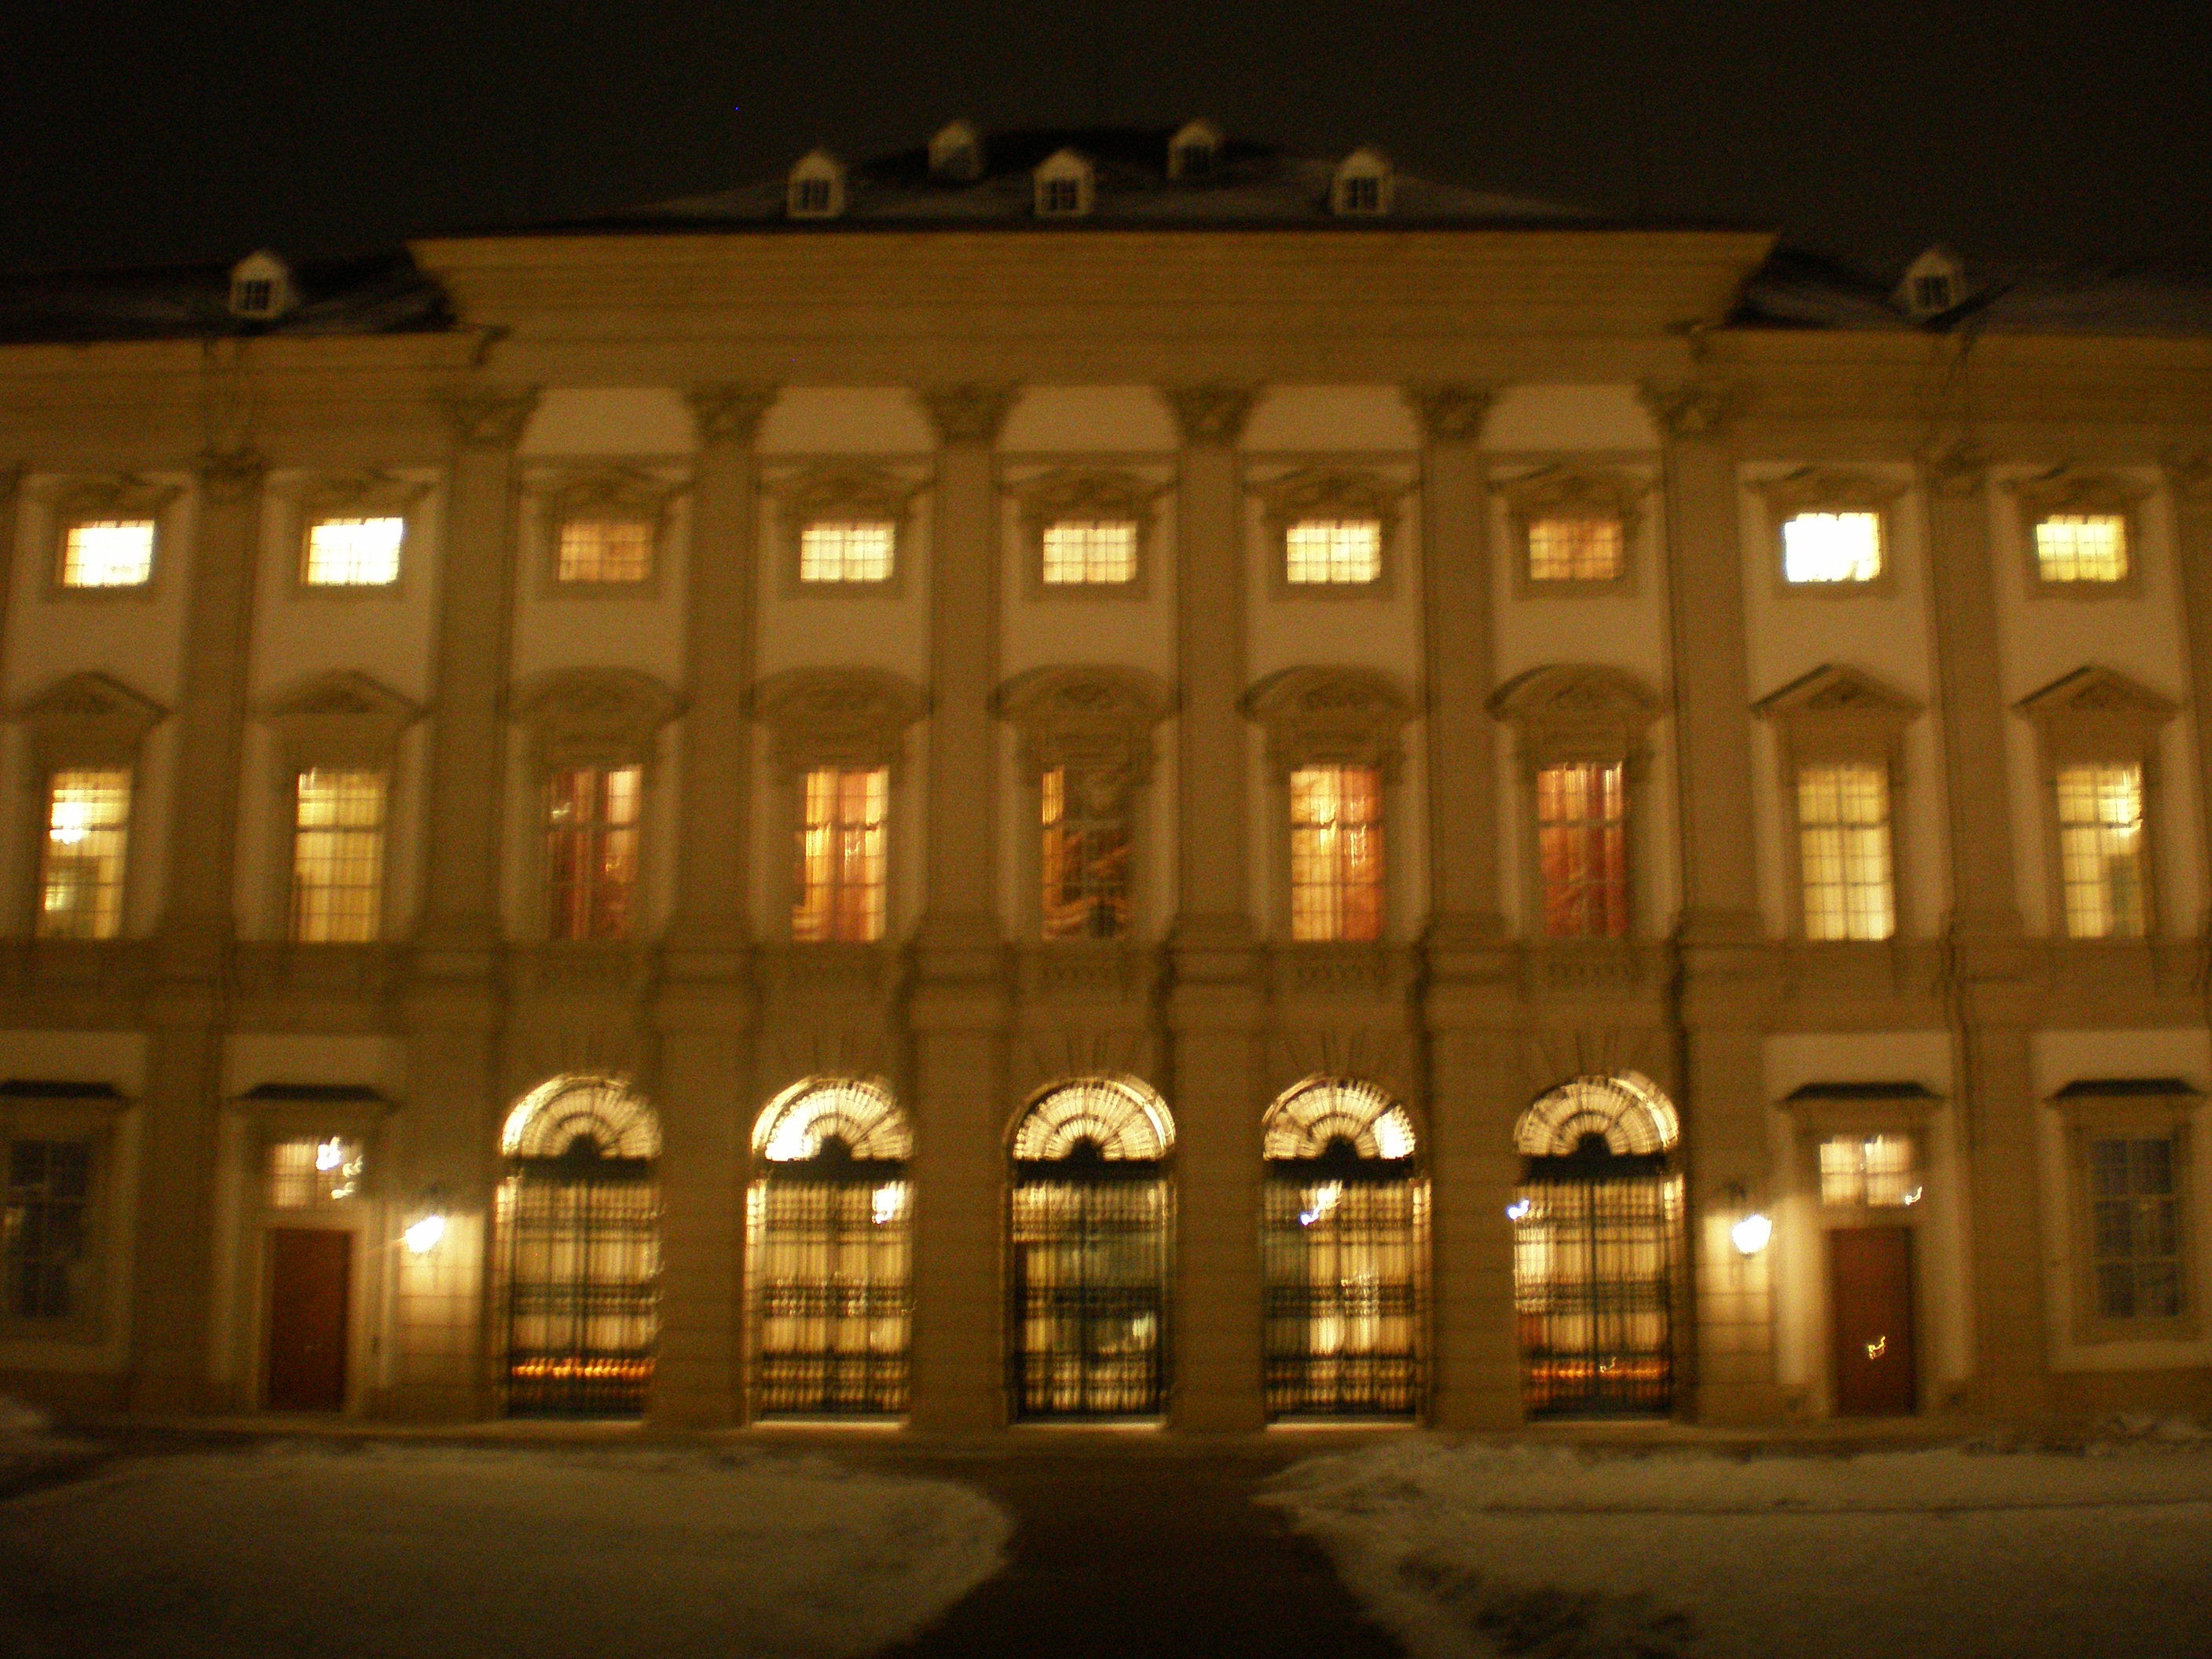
1344	1246
830	1284
1597	1238
580	1231
1091	1218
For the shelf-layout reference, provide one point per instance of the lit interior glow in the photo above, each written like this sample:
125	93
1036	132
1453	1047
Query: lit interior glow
1326	1196
1519	1210
1089	552
355	552
307	1172
889	1203
1831	547
81	870
1333	550
1843	817
604	551
108	553
1574	550
1874	1169
1336	852
845	550
2081	547
2100	850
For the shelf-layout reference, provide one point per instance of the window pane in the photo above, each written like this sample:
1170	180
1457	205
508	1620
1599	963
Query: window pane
1843	817
1086	856
1581	834
2134	1230
1879	1170
1831	547
2081	547
1336	852
2100	850
591	851
841	845
43	1235
338	857
355	552
1586	549
108	553
310	1171
1333	550
80	871
841	551
604	551
1081	552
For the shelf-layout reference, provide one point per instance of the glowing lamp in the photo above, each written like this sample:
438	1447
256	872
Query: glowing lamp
1751	1233
424	1235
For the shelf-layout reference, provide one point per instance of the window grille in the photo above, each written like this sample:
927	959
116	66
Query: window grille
1059	195
354	552
1843	826
1336	852
841	845
1579	549
2081	547
1333	551
2135	1228
304	1173
811	196
1831	547
1363	195
254	296
1880	1171
1932	295
1193	160
81	870
108	553
44	1242
1582	836
840	550
338	857
591	851
1089	552
1085	859
604	551
2100	850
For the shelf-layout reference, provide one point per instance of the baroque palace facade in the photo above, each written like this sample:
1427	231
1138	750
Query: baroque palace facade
1105	775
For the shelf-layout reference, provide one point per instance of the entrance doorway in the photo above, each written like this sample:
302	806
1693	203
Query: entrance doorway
1876	1372
310	1285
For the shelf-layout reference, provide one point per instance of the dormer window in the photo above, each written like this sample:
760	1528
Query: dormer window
1362	185
1196	151
1934	284
1064	186
260	287
955	154
817	188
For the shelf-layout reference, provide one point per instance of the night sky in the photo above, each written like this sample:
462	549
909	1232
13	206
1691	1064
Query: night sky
150	132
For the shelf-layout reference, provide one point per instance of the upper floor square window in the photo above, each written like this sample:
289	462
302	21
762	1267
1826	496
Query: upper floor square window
2100	850
1831	547
1880	1171
610	550
354	552
1089	552
1333	551
311	1170
1575	550
1336	852
2081	547
81	869
108	553
848	550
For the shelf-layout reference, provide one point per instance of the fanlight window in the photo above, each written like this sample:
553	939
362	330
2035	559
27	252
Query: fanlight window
1119	1118
549	1118
1337	1111
1634	1119
857	1113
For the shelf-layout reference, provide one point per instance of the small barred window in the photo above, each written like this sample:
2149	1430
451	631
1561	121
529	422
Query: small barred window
108	553
1880	1171
1089	552
2081	547
306	1172
1346	551
1574	550
847	550
604	551
1831	547
354	552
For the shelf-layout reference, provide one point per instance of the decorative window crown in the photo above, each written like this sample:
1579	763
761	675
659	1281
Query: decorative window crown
845	717
1331	716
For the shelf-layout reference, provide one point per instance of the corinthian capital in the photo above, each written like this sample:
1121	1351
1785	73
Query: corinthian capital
1957	469
491	416
2188	474
1211	414
230	475
969	414
727	413
1449	413
1691	408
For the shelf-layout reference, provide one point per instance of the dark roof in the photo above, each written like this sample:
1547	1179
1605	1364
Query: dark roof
1863	1092
376	294
328	1092
2107	1087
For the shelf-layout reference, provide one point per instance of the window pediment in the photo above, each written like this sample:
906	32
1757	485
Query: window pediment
341	718
1839	709
89	717
1331	716
1576	712
2097	712
1096	718
595	716
847	717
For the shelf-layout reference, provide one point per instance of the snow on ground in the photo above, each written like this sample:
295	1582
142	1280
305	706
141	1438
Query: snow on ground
1544	1550
344	1549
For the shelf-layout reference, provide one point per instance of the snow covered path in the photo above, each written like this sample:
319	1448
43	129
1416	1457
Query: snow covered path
334	1549
1483	1550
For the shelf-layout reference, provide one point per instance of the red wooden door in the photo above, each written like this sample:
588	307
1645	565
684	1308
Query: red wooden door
310	1275
1870	1316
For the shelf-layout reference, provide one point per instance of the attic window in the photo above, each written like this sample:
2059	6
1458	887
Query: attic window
1196	151
260	287
1932	284
957	152
1362	186
1063	186
1931	293
817	188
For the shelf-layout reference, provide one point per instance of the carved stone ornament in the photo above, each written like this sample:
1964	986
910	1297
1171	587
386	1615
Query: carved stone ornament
1214	413
1839	710
594	716
1449	413
493	417
1331	716
1095	719
814	493
1957	471
127	496
729	413
1567	492
341	717
2097	713
1567	712
1329	493
849	717
231	475
88	718
629	494
360	496
2069	489
2189	475
1828	489
968	414
1692	409
1090	494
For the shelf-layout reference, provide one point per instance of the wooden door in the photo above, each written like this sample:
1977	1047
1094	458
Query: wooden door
310	1277
1871	1321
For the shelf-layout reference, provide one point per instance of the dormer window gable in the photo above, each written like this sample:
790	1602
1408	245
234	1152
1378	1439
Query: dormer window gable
1933	284
261	287
1066	186
816	189
955	154
1363	186
1195	152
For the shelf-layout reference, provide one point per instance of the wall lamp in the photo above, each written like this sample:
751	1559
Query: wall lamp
427	1231
1751	1230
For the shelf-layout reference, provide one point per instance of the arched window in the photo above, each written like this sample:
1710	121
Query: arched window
1344	1235
1597	1231
831	1294
579	1225
1089	1218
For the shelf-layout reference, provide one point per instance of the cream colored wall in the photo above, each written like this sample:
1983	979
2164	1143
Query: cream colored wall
1328	420
1575	419
1086	420
845	421
609	421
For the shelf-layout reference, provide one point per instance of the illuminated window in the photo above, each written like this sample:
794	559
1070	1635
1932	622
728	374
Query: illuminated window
1086	858
355	552
338	857
108	553
1336	852
45	1242
841	856
847	550
80	873
604	551
1333	550
2100	850
1843	827
1581	549
1090	551
2135	1227
1880	1171
1831	547
310	1171
591	851
1582	836
2081	547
